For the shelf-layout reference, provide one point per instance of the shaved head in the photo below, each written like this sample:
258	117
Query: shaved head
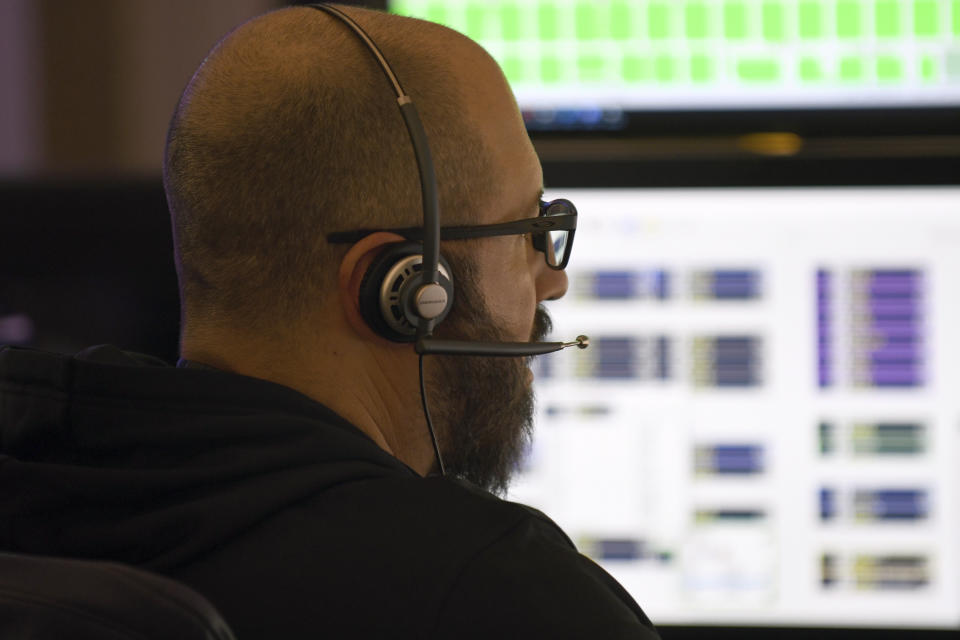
288	131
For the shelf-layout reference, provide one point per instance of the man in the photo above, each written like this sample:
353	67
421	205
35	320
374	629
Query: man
285	471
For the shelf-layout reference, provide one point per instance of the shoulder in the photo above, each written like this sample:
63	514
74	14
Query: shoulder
452	518
481	510
517	570
403	556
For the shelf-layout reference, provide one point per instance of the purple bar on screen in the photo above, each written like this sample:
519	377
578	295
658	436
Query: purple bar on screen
865	316
896	375
906	289
892	272
887	365
824	327
884	330
893	275
880	306
895	351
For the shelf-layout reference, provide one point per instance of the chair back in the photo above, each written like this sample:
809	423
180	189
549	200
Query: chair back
43	598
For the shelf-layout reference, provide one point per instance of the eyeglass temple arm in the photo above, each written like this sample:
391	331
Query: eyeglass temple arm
562	222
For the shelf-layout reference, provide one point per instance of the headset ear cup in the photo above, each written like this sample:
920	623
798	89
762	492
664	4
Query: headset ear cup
370	285
445	280
387	289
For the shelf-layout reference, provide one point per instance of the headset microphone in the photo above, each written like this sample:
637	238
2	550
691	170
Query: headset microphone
437	346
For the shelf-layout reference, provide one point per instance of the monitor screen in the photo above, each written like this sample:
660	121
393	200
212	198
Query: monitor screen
765	429
590	61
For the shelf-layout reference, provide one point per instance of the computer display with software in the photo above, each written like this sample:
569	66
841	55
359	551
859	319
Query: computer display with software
586	62
765	429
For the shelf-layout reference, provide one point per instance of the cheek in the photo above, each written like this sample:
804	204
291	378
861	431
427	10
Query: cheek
511	296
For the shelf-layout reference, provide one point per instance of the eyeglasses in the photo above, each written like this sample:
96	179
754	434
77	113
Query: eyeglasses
552	232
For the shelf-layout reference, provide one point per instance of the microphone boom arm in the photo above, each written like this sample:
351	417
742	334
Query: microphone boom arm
435	346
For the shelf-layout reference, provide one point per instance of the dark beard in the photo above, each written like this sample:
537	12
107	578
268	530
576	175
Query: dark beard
482	406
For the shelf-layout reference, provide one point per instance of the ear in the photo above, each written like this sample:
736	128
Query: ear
354	265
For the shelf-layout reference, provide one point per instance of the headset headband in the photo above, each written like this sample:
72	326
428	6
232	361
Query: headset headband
421	149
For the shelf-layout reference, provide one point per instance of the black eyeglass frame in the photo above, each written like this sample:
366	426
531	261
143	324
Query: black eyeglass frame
566	221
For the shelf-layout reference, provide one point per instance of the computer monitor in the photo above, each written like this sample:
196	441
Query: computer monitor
765	429
594	64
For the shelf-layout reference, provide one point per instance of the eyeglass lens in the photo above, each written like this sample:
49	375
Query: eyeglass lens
556	247
556	240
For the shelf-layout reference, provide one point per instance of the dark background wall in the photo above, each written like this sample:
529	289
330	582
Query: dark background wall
88	87
86	94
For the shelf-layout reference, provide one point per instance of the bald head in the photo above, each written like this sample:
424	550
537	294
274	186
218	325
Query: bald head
289	131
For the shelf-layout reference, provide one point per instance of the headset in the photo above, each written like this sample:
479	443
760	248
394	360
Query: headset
408	288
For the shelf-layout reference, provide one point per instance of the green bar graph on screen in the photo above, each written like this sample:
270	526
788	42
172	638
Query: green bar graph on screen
695	20
849	19
510	23
701	68
887	18
758	70
772	19
925	18
620	16
548	21
703	43
635	69
810	70
889	69
734	20
851	68
664	69
591	68
810	19
587	20
658	20
551	70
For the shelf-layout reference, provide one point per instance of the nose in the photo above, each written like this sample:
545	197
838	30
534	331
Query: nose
551	284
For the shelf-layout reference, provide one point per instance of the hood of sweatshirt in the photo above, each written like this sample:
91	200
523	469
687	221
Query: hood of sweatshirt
119	455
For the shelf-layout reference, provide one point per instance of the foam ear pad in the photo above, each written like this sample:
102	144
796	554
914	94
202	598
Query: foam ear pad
388	288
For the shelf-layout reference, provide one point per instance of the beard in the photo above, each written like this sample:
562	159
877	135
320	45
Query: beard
483	406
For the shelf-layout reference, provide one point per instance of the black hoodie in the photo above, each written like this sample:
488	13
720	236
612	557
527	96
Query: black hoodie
290	520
